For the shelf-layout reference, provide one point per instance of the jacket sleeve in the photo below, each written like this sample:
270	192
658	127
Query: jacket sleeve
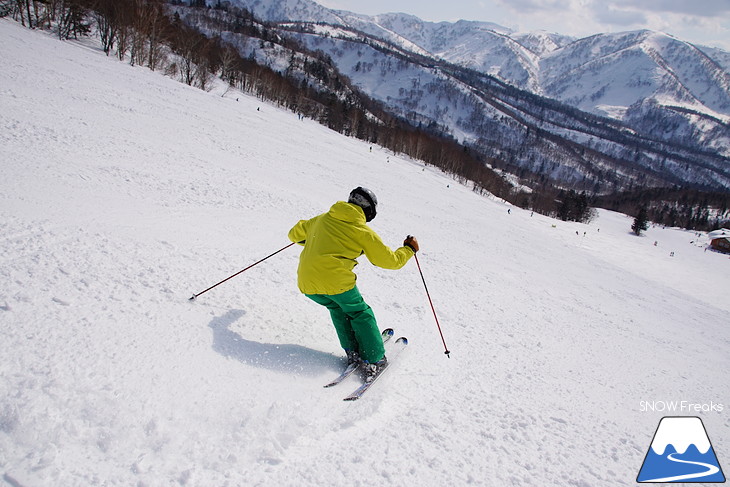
298	233
381	255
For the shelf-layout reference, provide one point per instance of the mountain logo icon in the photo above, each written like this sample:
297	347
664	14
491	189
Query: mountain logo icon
681	452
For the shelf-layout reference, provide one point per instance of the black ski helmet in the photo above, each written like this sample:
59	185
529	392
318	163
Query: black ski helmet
365	199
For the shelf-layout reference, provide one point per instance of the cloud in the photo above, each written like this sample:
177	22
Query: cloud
535	6
606	13
618	12
704	8
700	21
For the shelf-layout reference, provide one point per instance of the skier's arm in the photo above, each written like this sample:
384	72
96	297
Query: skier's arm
381	255
298	233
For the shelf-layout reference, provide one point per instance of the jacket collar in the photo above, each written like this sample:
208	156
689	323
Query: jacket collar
347	212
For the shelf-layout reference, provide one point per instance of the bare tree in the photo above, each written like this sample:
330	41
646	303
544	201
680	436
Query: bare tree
228	62
126	15
21	10
106	14
188	45
149	23
7	7
71	18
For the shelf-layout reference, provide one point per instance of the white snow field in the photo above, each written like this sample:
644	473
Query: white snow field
123	192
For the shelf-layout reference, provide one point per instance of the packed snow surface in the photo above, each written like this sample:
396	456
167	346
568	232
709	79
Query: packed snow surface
123	192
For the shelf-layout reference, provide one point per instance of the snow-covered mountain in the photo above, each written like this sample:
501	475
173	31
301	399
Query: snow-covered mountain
124	192
611	72
600	74
670	94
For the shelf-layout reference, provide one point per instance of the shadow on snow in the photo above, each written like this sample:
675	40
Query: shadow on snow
287	358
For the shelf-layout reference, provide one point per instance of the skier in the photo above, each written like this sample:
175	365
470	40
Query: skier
332	242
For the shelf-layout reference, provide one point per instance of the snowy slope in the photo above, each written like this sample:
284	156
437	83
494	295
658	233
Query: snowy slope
123	192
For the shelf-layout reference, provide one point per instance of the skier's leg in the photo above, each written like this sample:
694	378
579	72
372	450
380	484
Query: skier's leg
343	327
363	323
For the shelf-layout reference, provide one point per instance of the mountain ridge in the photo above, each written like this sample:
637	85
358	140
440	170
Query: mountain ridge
672	114
443	37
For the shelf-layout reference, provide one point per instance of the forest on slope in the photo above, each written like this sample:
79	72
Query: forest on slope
155	34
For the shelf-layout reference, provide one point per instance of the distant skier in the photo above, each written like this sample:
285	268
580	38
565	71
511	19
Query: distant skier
332	242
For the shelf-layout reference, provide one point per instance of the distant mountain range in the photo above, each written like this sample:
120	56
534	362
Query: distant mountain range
602	113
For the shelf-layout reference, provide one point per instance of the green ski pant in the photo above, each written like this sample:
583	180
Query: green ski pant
354	322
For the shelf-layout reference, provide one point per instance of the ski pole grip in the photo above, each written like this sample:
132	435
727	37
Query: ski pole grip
408	244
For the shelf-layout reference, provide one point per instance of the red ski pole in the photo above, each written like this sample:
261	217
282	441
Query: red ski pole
237	273
446	349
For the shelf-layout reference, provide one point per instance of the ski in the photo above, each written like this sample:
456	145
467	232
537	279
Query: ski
387	334
358	393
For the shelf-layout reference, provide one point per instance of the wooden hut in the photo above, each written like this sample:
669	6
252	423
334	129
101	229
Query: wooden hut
720	240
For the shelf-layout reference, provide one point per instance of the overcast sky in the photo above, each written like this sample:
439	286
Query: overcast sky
704	22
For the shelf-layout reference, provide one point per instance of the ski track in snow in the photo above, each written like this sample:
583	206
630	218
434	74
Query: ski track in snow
124	192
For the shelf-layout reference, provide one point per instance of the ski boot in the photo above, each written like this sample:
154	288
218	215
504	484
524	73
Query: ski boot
353	357
372	370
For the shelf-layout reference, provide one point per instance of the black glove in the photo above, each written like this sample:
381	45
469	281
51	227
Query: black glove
411	242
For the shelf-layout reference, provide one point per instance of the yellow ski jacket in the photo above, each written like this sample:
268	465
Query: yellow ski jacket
332	241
